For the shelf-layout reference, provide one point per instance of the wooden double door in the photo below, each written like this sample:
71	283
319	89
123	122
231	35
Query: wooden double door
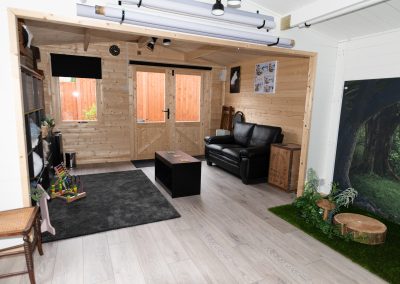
168	111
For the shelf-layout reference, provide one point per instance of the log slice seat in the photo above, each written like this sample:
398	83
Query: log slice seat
362	229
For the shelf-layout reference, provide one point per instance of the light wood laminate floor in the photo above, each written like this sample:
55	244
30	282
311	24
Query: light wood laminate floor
226	235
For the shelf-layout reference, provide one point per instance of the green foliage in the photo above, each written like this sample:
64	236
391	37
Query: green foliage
48	121
36	194
345	198
334	191
91	113
383	192
360	147
394	155
382	260
307	208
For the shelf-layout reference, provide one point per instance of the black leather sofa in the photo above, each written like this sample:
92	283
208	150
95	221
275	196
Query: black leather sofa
246	152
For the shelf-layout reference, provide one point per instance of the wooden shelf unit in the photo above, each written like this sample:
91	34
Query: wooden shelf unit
284	166
34	112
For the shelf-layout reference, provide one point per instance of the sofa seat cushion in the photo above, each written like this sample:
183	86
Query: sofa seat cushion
242	133
264	135
233	153
220	147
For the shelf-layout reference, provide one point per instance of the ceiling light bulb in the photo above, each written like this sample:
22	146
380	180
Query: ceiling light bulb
166	42
218	8
234	3
75	94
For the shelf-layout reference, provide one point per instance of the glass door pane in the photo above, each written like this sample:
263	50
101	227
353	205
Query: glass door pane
150	101
187	94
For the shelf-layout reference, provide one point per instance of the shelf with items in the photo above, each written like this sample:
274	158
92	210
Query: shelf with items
34	113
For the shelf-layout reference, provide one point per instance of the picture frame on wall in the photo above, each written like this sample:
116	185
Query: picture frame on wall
265	77
235	80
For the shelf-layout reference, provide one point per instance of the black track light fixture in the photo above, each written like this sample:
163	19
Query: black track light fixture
166	42
218	8
151	44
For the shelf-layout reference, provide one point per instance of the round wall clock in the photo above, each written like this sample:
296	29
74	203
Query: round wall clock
114	50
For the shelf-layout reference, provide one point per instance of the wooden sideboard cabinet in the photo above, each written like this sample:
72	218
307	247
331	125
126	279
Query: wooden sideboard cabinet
284	166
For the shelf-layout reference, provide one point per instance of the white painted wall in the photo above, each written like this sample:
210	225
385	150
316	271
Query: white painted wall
327	49
374	56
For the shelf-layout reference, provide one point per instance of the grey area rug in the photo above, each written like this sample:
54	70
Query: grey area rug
114	200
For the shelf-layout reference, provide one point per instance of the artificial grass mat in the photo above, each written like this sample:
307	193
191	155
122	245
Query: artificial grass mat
383	260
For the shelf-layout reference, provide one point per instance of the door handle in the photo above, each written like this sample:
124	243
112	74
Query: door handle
167	111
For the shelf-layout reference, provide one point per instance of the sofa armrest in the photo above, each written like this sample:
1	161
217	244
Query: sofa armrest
225	139
254	152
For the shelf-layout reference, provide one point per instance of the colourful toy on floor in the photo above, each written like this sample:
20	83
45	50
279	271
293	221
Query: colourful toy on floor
69	187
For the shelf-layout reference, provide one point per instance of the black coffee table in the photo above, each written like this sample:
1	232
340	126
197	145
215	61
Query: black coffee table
178	172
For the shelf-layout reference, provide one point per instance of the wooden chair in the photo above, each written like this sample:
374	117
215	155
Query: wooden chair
226	117
25	223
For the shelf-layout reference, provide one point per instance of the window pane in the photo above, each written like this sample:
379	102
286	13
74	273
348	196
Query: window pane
188	89
78	99
150	101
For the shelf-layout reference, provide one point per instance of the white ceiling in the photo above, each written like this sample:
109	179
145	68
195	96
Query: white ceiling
379	18
282	7
375	19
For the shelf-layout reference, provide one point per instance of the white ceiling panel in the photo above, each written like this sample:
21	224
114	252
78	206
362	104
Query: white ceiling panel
376	19
282	7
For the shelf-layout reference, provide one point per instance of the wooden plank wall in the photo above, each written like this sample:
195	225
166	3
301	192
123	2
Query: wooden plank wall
217	90
285	108
107	140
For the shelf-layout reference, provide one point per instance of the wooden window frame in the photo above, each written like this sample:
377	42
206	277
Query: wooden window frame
55	83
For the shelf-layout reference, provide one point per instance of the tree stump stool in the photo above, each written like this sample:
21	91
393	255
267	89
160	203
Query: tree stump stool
327	206
362	229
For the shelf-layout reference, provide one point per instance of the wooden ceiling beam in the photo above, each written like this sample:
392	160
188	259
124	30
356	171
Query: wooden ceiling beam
202	51
142	41
86	40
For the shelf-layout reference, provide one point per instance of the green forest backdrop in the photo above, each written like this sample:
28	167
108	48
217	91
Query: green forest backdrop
368	152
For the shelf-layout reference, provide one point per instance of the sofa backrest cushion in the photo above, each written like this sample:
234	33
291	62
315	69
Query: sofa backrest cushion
242	133
264	135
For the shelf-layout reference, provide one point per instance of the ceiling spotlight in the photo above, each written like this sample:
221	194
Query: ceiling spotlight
151	44
218	8
166	42
234	3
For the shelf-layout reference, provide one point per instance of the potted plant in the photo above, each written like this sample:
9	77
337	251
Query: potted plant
317	209
47	126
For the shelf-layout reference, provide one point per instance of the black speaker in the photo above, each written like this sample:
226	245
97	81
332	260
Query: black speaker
58	155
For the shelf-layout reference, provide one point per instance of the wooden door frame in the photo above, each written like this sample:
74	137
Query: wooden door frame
14	13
